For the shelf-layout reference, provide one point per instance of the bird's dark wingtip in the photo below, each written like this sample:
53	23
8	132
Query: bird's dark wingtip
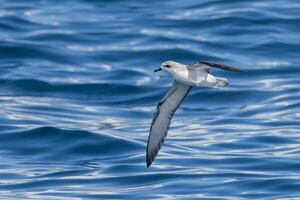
148	158
149	162
222	66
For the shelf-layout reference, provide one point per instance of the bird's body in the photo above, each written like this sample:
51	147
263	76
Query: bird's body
186	77
194	75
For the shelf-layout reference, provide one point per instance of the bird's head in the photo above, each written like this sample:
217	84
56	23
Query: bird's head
169	66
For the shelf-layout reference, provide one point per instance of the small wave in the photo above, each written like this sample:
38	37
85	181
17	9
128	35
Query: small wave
16	23
49	143
33	86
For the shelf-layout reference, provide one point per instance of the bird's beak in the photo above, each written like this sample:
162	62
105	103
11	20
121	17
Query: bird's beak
159	69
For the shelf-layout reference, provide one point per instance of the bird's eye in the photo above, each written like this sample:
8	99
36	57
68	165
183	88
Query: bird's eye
167	66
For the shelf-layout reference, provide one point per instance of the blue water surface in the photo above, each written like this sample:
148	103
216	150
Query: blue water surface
78	93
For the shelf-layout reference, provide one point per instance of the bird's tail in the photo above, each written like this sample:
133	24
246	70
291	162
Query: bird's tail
221	82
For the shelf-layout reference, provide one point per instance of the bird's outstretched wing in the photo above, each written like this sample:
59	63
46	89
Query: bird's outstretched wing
205	65
162	118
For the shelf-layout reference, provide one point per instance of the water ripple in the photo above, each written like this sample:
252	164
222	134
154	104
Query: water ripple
78	92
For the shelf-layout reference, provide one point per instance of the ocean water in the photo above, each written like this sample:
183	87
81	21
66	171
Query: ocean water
78	93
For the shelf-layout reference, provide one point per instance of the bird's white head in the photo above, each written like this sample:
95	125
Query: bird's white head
170	66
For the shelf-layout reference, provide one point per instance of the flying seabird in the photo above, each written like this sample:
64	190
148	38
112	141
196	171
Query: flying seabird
186	77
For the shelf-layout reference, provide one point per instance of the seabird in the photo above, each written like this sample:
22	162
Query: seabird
186	77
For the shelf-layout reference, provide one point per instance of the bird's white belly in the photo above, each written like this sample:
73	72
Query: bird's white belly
196	79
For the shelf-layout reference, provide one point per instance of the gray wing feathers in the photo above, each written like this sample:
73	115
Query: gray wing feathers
206	65
162	118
